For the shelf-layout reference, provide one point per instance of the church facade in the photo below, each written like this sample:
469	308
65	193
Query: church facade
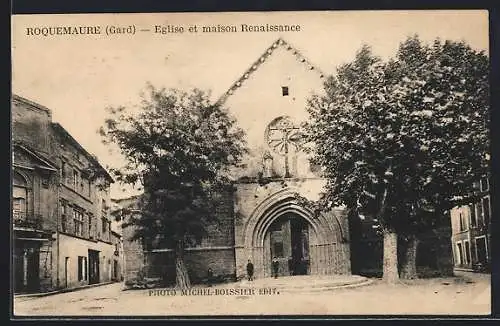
260	217
269	102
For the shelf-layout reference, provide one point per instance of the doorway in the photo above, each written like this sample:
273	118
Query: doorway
93	266
115	270
460	254
66	272
300	247
288	241
27	268
33	270
482	255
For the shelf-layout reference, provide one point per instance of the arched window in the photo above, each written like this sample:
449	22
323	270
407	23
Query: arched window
19	196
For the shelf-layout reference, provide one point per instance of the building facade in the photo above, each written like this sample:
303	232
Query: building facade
117	258
130	253
471	231
60	206
34	206
259	215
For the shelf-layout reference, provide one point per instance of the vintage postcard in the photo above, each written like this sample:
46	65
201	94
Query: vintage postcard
251	164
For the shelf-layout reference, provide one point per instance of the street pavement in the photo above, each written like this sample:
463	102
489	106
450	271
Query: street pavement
468	294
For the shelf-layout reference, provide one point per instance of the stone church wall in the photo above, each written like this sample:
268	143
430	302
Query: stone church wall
258	99
215	251
220	260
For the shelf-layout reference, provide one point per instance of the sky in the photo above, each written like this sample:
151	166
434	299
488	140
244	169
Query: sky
78	76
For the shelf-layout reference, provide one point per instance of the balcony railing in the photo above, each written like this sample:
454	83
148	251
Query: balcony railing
22	219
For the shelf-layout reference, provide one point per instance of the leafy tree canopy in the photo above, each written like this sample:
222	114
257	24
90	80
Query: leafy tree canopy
180	147
405	139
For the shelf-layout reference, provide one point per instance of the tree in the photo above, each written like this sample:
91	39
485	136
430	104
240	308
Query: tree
403	140
179	147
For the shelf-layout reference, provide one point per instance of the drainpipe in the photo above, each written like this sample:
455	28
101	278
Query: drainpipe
57	232
123	269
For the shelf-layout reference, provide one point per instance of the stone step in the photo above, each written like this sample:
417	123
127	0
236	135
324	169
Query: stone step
326	288
305	284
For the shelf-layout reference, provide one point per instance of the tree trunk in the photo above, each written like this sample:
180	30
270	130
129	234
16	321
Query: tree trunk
390	267
181	275
409	264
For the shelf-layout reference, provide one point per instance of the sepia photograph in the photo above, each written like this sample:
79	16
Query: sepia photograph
321	163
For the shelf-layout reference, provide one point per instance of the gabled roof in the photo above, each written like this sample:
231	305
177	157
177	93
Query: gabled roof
45	163
93	160
269	51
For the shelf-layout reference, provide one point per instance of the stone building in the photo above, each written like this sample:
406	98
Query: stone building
117	258
131	253
34	206
260	217
60	206
471	232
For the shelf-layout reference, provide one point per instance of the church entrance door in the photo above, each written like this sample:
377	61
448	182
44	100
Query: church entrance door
300	247
288	242
280	227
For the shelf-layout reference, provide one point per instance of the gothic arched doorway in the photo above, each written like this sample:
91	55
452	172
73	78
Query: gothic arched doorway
316	244
287	239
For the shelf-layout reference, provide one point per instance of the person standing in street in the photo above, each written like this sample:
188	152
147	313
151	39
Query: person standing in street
275	265
210	277
250	270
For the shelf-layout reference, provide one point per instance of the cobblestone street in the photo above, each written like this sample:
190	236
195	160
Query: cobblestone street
465	295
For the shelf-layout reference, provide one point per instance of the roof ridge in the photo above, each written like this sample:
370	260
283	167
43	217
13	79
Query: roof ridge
91	157
262	58
19	98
